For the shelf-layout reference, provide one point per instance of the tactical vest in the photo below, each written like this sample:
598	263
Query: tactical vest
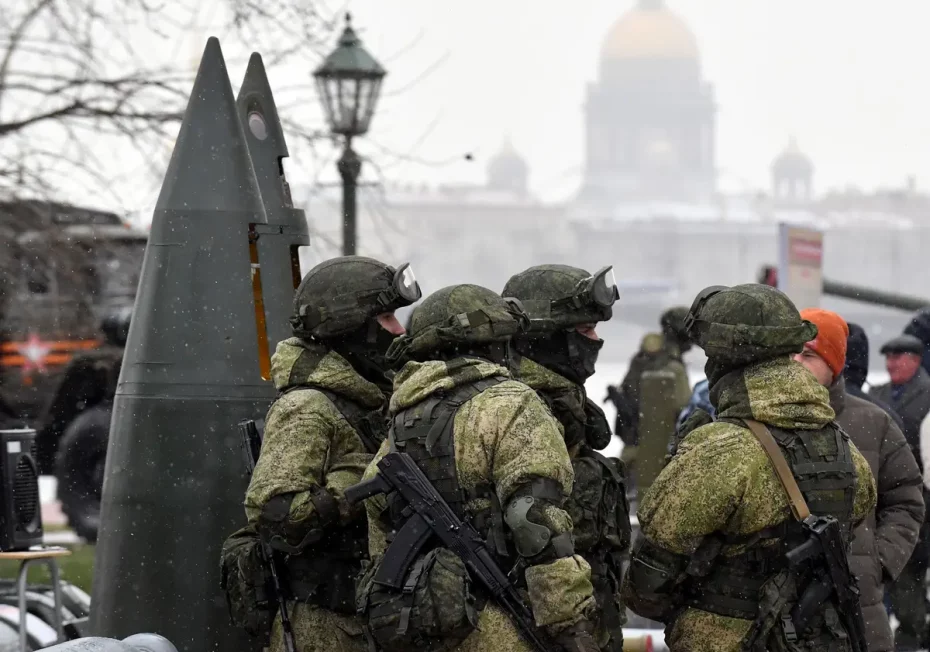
601	517
437	606
425	432
324	574
822	464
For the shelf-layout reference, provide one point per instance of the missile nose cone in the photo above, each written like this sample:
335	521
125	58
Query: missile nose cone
265	136
256	104
210	168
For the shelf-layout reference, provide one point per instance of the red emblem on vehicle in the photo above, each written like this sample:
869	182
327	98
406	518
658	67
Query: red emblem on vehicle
34	352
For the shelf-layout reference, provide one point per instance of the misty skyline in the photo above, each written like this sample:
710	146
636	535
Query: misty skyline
843	78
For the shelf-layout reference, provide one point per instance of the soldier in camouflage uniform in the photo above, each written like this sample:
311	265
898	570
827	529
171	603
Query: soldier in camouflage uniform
555	357
716	524
320	434
658	352
495	453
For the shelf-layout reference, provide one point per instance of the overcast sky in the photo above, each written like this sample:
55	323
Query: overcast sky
845	77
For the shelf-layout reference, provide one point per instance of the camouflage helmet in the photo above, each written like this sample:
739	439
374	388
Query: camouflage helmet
340	295
558	296
747	323
672	322
459	314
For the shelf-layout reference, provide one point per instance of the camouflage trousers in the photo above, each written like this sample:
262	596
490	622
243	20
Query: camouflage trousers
320	630
495	632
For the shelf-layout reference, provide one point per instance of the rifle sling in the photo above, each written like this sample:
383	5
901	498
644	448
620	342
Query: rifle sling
782	470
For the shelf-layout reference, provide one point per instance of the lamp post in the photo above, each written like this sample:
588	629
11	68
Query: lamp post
349	82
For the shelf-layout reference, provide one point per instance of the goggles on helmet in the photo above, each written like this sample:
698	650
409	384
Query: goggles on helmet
404	289
699	301
599	289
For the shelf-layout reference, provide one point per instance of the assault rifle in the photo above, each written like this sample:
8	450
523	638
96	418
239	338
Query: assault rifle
251	447
433	516
826	547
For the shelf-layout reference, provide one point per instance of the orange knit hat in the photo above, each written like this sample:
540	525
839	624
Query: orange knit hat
832	333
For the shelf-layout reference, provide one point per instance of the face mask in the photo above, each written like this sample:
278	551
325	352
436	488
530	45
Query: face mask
568	353
582	354
366	350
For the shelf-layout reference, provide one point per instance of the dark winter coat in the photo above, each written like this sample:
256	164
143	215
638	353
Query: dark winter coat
912	406
884	542
858	393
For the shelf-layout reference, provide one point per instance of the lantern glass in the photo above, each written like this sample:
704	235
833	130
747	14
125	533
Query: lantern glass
349	102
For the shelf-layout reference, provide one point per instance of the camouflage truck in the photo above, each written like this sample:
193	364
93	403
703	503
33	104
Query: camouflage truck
68	279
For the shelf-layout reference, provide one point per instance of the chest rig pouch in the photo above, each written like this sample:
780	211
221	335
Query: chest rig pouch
324	573
601	517
436	608
793	605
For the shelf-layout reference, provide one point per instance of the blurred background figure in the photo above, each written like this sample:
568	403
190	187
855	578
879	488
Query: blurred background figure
908	394
857	369
646	420
919	327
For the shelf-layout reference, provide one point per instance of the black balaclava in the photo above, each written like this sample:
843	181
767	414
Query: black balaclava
566	352
573	356
365	350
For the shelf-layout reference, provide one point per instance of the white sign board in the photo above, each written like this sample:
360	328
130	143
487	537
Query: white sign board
800	264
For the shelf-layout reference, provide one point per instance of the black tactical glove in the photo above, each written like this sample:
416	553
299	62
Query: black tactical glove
614	395
578	638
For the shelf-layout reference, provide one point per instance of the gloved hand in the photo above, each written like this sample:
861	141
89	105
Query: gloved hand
578	638
613	395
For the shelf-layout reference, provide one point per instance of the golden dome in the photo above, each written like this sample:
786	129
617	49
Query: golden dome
650	31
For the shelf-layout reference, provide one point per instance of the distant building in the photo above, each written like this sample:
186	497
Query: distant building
648	203
650	117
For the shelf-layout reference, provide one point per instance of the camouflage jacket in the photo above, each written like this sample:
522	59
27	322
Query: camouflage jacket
308	445
598	507
692	498
504	436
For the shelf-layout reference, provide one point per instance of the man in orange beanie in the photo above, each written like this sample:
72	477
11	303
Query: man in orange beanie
825	356
883	544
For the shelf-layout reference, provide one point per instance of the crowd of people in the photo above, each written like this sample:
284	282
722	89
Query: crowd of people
785	505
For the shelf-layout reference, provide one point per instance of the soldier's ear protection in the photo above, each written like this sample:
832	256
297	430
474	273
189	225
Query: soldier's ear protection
699	301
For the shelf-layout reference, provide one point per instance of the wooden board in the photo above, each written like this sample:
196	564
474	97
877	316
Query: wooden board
35	553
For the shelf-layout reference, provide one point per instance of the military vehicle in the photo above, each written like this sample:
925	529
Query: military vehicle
68	279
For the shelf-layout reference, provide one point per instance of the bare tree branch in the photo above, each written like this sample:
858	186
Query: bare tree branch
79	89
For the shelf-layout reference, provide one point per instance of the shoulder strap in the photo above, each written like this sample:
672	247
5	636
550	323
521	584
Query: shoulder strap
782	470
358	418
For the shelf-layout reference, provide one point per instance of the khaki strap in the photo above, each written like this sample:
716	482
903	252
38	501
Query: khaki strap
782	470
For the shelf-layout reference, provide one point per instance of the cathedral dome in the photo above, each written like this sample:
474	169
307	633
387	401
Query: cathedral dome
650	31
508	170
792	162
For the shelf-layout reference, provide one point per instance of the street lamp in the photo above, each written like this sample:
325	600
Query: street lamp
349	82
